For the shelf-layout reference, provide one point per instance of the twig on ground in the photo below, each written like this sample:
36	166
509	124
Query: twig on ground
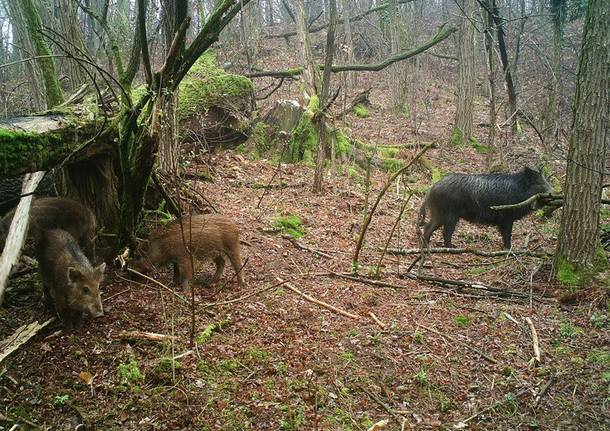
379	401
470	251
243	298
537	358
376	320
543	390
158	283
465	344
462	424
115	295
318	302
298	245
140	335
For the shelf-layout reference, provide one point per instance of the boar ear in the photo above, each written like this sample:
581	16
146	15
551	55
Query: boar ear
74	275
99	271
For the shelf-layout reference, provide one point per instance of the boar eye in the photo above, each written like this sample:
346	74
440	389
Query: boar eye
86	289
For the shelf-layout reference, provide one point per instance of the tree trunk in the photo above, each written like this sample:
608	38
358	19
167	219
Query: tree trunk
30	68
347	27
491	77
510	86
578	240
465	89
46	64
324	93
397	71
174	12
550	124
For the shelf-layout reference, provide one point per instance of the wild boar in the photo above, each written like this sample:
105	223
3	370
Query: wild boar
70	284
57	213
469	197
207	236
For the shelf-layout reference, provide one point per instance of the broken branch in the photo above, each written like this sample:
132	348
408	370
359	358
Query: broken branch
537	358
407	251
139	335
318	302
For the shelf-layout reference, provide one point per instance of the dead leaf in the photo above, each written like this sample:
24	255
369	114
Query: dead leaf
86	377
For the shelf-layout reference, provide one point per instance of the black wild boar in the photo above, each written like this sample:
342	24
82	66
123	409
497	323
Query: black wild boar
57	213
69	282
469	197
207	236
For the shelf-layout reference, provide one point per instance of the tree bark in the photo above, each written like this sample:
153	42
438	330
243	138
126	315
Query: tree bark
397	70
324	95
508	79
550	124
578	240
491	77
45	62
465	89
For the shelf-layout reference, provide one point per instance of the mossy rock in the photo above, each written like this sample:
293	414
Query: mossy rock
212	103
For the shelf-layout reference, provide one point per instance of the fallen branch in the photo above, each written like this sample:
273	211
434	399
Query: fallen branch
407	251
543	391
243	298
139	335
459	284
462	424
20	337
452	284
537	358
318	302
375	398
376	320
158	283
298	245
465	344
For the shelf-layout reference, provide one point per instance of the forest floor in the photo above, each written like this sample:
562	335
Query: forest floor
443	359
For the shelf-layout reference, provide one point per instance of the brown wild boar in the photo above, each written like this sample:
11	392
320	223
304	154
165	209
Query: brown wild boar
207	236
57	213
69	282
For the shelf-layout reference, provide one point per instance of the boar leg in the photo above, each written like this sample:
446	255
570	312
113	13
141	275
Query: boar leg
429	229
176	274
185	273
46	297
235	259
77	319
220	267
506	230
448	229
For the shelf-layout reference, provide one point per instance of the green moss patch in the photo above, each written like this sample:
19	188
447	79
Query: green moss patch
361	112
291	225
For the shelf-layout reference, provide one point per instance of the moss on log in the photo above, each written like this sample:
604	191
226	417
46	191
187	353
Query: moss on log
29	144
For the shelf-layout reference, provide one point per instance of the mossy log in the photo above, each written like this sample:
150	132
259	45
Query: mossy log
38	143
